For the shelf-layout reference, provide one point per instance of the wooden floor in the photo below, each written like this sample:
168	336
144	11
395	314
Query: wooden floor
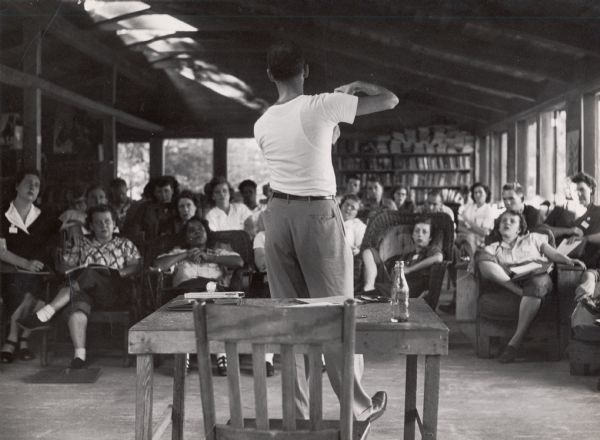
479	399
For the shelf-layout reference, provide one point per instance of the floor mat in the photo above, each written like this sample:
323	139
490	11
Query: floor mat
65	375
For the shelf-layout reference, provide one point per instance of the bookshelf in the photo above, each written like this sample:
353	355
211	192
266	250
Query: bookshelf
437	157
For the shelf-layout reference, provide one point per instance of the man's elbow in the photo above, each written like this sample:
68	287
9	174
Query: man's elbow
392	101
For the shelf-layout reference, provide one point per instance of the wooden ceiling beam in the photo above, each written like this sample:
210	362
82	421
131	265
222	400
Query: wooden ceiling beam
377	55
85	42
16	78
442	44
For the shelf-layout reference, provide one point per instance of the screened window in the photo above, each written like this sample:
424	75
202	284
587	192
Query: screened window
190	161
246	161
134	166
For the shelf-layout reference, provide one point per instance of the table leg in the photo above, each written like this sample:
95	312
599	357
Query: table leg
410	397
143	397
178	396
431	397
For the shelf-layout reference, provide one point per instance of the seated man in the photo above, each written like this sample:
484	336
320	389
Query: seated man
91	287
418	254
516	247
435	203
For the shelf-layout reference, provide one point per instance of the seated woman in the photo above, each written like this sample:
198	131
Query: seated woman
195	264
226	215
418	254
516	247
25	231
355	228
88	287
476	220
400	195
187	207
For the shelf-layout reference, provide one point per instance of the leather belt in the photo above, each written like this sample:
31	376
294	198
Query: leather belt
280	195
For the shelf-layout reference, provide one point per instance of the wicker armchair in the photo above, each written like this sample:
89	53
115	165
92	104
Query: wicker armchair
442	223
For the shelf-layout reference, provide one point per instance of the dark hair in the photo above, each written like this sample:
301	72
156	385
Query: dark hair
375	179
187	194
162	181
516	187
117	182
27	172
353	176
486	188
245	183
522	220
434	236
203	222
92	187
352	197
435	193
585	178
285	60
100	208
399	187
210	187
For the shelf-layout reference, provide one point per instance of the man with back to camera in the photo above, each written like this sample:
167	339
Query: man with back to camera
306	252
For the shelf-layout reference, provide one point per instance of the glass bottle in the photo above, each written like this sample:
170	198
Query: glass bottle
399	294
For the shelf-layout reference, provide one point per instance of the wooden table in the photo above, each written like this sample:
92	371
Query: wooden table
167	332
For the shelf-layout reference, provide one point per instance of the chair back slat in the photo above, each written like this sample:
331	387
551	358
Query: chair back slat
309	330
288	384
260	386
348	375
235	390
315	386
275	325
205	371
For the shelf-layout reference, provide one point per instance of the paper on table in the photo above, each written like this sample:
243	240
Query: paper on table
327	300
566	248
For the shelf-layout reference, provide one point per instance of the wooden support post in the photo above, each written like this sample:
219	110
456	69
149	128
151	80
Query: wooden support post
109	122
157	157
220	156
521	153
32	96
588	137
511	170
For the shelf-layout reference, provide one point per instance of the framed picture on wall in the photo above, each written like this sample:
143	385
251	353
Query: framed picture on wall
11	131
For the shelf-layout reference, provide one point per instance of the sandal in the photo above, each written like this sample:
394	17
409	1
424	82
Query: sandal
6	357
222	366
25	354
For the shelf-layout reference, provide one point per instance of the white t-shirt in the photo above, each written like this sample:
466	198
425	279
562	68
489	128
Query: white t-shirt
218	220
483	216
355	232
259	241
295	138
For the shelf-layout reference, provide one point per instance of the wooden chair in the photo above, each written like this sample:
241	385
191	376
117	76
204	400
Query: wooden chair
498	312
251	329
383	222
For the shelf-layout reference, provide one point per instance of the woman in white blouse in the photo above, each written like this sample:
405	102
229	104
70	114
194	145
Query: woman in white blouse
355	228
476	220
226	216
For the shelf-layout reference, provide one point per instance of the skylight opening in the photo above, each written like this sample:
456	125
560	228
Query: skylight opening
135	36
157	22
225	84
174	45
100	10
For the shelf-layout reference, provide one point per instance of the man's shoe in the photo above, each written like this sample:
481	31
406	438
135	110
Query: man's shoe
77	364
378	405
270	369
32	323
508	355
222	366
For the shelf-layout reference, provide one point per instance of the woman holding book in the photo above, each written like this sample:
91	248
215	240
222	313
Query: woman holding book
515	248
24	234
96	268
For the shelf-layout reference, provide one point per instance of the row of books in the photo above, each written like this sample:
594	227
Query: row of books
403	163
426	140
450	178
